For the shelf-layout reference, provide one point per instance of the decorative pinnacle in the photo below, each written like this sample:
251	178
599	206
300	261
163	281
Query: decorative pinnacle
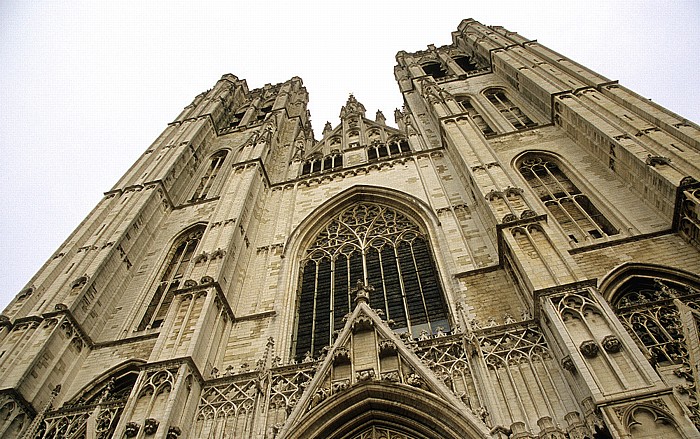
362	292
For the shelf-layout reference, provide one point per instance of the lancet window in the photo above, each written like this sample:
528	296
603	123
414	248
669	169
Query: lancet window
508	109
174	269
474	115
379	246
573	210
318	164
208	179
648	308
379	150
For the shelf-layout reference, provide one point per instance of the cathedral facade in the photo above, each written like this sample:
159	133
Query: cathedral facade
516	257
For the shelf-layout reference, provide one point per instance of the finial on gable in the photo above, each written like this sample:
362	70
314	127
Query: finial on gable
352	108
362	292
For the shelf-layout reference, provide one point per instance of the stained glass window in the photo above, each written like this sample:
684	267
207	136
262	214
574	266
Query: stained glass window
379	246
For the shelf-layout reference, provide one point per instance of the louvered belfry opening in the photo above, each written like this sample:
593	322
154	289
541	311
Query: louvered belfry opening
379	246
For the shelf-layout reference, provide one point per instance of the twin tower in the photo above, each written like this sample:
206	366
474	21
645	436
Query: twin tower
516	257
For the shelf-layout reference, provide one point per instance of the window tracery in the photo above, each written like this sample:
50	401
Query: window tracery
513	114
377	245
381	432
474	114
180	256
646	307
659	314
104	403
205	183
573	210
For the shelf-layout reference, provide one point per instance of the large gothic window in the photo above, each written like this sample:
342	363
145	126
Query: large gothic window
508	109
205	183
574	211
178	260
379	246
648	309
663	316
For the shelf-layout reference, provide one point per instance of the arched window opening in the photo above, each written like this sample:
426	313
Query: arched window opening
107	397
466	63
647	307
179	259
207	180
574	211
434	69
510	111
474	115
660	309
377	245
318	164
306	168
113	389
394	148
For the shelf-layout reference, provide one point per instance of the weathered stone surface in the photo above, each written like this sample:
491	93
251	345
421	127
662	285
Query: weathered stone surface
517	257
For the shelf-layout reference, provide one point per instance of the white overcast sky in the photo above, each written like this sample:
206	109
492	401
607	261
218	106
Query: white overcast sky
85	87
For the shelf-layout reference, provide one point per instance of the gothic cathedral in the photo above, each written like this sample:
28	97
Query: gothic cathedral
516	257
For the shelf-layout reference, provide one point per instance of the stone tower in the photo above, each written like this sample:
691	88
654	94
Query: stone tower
516	258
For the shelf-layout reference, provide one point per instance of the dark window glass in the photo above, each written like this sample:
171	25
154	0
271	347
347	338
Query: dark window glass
376	245
207	180
173	271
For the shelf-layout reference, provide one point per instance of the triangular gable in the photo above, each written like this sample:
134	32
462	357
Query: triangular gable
368	351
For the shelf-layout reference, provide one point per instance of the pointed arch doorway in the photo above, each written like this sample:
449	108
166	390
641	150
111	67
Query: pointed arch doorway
381	410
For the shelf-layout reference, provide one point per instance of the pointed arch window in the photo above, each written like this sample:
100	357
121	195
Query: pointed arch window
573	210
508	109
179	259
662	315
318	164
393	148
205	184
648	308
474	115
379	246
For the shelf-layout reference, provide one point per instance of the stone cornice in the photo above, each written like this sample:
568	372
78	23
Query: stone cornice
612	243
